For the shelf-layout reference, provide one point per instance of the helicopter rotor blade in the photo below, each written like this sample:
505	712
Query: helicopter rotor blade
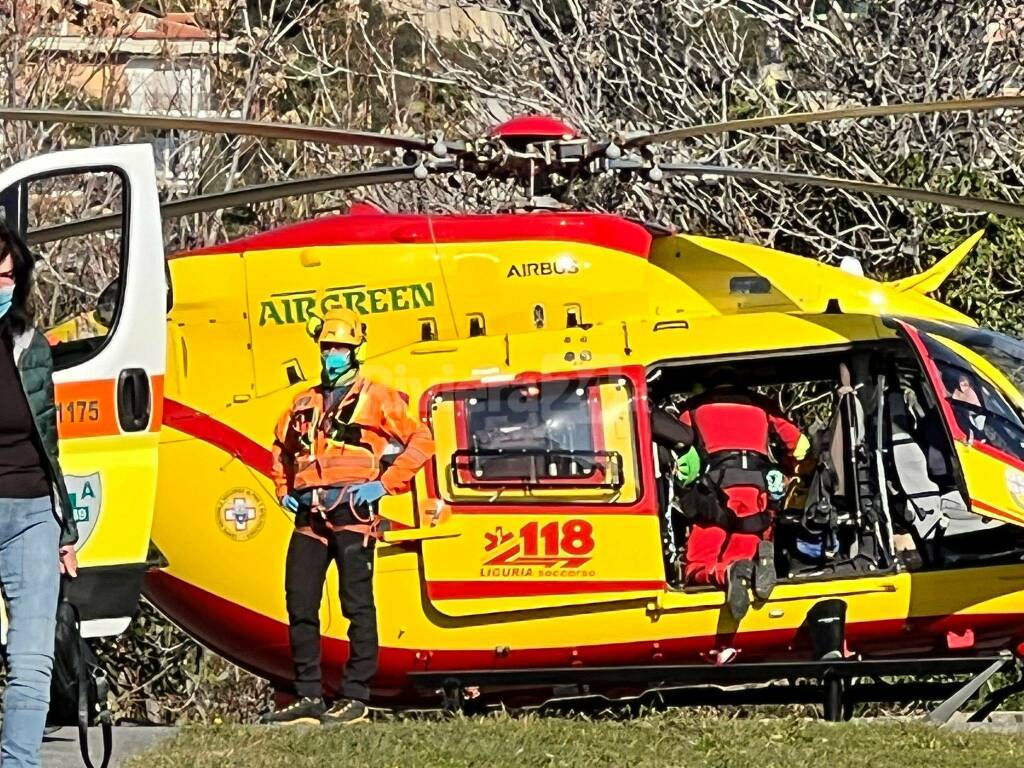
240	197
999	207
846	113
232	127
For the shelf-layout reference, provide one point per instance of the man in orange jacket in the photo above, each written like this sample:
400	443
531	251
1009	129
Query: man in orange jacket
328	451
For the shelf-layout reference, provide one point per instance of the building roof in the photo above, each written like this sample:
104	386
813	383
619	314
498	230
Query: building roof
101	25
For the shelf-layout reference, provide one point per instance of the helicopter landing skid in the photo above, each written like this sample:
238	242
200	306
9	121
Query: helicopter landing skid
943	713
830	683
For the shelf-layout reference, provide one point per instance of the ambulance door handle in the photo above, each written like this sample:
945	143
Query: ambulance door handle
133	401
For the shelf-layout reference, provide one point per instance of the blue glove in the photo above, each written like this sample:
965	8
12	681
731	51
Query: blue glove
365	494
290	503
776	483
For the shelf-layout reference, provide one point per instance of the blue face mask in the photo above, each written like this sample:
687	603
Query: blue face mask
6	299
336	362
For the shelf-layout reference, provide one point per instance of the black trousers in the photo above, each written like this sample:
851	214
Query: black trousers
305	574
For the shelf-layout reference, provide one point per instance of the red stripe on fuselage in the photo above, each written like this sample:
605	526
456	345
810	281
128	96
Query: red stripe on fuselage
186	419
600	229
1000	513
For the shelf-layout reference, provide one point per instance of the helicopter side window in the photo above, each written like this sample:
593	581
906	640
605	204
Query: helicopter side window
528	420
535	434
545	440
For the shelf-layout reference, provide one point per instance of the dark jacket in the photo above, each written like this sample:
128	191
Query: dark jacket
35	366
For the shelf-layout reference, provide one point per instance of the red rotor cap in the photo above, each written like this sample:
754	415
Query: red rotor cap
534	127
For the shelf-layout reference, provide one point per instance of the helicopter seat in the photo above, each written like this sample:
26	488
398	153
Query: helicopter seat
930	511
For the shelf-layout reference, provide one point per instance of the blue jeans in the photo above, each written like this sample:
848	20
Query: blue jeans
29	540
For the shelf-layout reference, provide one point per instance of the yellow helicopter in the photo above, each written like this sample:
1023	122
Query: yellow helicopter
536	556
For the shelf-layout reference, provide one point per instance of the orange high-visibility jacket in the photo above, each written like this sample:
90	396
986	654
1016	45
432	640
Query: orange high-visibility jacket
313	452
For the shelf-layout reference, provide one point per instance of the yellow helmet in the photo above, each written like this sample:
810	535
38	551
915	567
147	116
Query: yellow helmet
338	326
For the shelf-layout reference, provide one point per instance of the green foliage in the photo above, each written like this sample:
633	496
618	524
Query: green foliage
988	285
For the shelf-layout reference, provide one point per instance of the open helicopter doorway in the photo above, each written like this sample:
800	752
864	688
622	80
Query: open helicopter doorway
881	489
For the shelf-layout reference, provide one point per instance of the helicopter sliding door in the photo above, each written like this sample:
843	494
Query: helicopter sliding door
977	376
103	298
543	475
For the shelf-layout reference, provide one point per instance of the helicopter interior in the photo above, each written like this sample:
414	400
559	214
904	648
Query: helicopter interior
881	488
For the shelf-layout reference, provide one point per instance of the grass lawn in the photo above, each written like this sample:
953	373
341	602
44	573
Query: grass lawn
675	738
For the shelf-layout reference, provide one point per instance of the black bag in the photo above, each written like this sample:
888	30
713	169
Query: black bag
820	514
78	688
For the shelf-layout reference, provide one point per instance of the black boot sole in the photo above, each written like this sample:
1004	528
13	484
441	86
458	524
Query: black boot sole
765	577
737	591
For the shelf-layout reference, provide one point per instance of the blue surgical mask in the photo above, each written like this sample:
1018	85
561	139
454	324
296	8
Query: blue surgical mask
6	299
336	362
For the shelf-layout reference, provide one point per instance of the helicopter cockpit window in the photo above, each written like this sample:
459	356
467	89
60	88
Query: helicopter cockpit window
77	274
982	412
1004	353
539	441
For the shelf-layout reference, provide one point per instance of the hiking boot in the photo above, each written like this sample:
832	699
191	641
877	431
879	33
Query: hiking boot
345	712
737	588
304	711
764	570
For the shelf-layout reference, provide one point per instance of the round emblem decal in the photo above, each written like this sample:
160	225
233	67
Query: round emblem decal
240	514
1015	485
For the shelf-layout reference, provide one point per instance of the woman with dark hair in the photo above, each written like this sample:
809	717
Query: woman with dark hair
37	528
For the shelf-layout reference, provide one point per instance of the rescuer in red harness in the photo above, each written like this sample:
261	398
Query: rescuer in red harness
729	544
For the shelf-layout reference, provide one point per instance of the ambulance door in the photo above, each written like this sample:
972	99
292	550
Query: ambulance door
102	297
544	480
978	378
